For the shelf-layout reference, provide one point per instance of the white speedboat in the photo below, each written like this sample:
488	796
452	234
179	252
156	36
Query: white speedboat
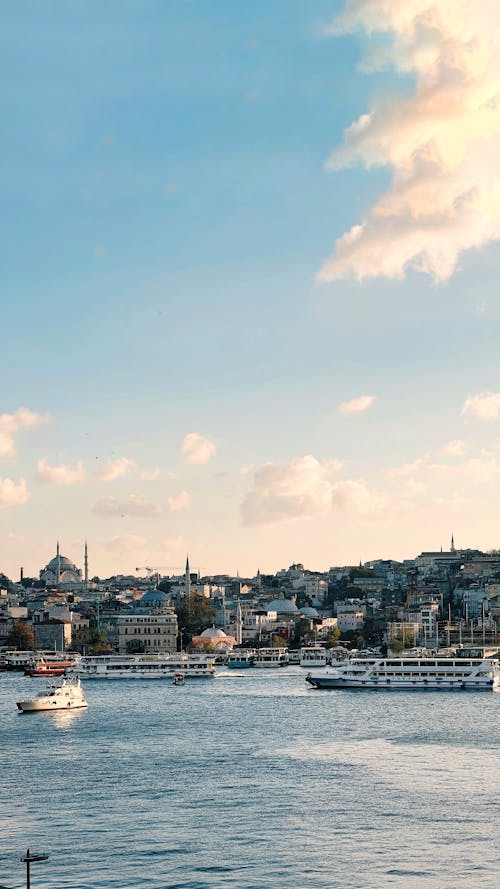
67	696
143	666
408	673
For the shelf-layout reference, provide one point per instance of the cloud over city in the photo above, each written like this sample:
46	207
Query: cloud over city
114	469
484	406
62	474
10	424
197	449
13	493
357	405
441	142
133	505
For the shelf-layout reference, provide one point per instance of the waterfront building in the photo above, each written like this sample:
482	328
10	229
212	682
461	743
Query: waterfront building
213	639
145	633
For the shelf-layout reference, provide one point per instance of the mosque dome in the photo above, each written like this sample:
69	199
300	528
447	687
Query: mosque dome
213	633
154	597
283	606
64	563
309	612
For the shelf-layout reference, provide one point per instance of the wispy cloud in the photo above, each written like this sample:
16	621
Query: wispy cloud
483	406
197	449
133	505
124	543
23	418
62	474
13	493
357	405
179	502
150	475
114	469
455	448
442	142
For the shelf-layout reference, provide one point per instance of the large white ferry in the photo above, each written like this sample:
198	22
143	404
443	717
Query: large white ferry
442	673
142	666
314	656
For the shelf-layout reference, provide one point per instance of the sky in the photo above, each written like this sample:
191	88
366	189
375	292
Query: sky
249	291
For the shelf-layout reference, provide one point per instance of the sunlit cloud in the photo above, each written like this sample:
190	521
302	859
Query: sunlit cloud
133	505
357	405
441	142
179	502
150	475
124	543
484	406
197	448
455	448
61	475
114	469
281	492
10	424
13	493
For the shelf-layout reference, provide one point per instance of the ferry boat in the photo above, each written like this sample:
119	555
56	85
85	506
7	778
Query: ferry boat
441	673
241	659
67	696
294	658
48	666
143	666
314	656
15	660
271	657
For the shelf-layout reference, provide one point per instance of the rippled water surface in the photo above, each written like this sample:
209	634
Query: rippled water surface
251	780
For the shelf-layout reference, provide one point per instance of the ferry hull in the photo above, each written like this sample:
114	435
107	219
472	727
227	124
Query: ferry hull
401	685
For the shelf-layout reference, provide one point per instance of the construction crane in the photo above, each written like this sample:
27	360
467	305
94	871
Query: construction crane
155	568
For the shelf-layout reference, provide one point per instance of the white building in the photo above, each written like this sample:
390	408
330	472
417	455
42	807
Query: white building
150	633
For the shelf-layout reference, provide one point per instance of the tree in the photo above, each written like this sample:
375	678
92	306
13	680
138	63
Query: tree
21	636
333	636
279	642
194	615
165	585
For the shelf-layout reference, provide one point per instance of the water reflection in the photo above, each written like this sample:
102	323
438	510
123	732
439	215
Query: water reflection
63	720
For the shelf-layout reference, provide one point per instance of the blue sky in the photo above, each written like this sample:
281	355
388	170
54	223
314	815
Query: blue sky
165	212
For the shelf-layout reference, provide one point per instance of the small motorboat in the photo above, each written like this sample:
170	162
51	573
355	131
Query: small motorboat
179	679
67	696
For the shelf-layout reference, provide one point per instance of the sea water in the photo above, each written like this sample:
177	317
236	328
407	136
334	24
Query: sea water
251	780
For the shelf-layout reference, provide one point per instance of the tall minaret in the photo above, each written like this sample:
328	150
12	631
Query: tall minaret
86	567
58	565
239	623
452	548
187	581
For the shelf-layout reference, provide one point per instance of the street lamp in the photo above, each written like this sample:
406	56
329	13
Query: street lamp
28	859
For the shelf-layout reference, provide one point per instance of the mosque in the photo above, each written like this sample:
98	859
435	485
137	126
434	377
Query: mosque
63	573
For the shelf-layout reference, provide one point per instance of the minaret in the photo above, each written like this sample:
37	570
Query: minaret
188	579
239	623
58	565
452	548
86	567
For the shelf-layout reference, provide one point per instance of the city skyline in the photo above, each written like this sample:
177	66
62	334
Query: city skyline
232	326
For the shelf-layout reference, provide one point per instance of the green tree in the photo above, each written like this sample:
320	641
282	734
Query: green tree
279	642
21	636
333	636
165	585
194	615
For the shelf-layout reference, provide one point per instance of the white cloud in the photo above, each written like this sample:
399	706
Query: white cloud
61	474
356	405
23	418
179	502
13	493
15	537
174	542
455	448
483	406
442	142
150	475
356	497
197	448
124	543
133	505
114	469
285	491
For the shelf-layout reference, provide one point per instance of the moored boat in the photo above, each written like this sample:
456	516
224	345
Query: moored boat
67	696
314	656
271	657
240	659
48	666
143	666
412	673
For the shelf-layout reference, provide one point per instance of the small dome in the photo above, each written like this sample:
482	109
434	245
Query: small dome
309	612
213	633
283	606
